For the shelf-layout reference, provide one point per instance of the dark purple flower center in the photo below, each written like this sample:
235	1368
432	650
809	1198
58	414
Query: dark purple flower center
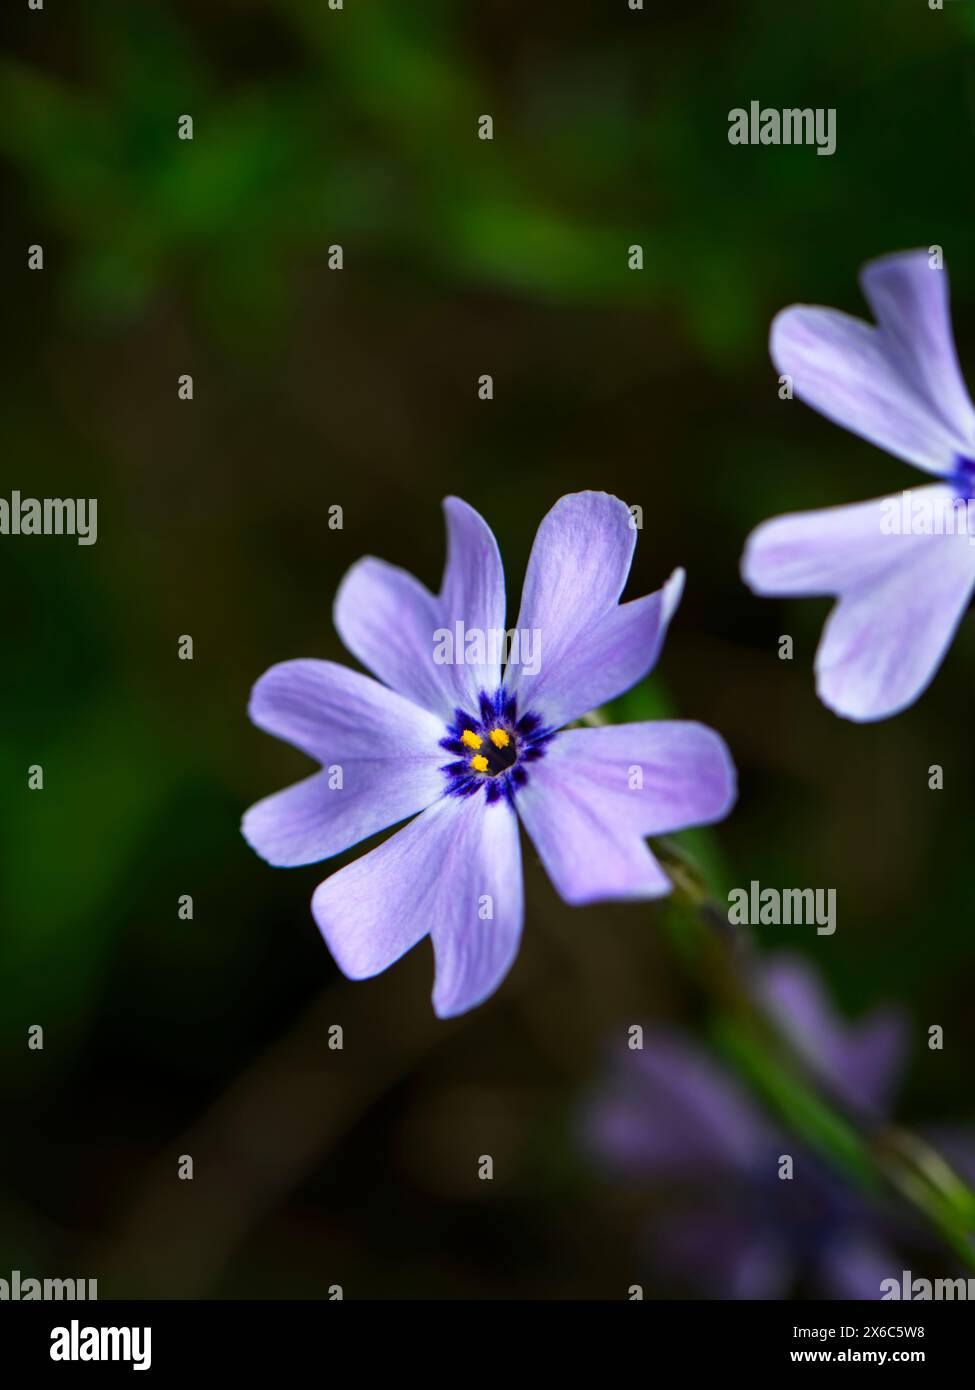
963	478
494	748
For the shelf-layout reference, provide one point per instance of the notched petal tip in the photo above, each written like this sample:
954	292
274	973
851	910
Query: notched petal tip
919	258
669	596
247	823
672	591
591	494
456	1008
776	328
711	769
726	782
458	512
593	506
648	894
454	505
894	381
345	583
750	567
279	680
786	323
263	833
858	711
352	952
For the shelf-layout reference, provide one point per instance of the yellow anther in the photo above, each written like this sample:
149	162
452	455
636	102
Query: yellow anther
471	739
499	738
479	763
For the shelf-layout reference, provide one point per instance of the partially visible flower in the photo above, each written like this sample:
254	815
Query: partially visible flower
670	1116
901	589
468	747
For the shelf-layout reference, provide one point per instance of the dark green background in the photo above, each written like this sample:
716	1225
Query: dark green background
315	388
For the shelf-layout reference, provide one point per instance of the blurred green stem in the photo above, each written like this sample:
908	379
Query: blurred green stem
875	1155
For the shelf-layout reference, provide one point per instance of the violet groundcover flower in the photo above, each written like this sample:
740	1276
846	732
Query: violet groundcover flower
670	1116
469	751
898	384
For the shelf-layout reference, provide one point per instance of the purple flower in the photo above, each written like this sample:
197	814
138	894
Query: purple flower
902	568
730	1226
473	751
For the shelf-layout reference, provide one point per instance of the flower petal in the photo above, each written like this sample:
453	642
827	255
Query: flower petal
854	1265
591	647
387	619
824	552
896	384
863	1062
390	621
912	304
883	644
472	593
475	953
591	801
901	596
385	748
667	1111
434	876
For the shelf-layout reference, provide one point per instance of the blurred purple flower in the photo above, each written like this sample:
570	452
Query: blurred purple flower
732	1227
902	568
467	748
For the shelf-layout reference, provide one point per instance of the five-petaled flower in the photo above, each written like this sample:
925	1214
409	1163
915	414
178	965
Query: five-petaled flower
898	384
467	750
